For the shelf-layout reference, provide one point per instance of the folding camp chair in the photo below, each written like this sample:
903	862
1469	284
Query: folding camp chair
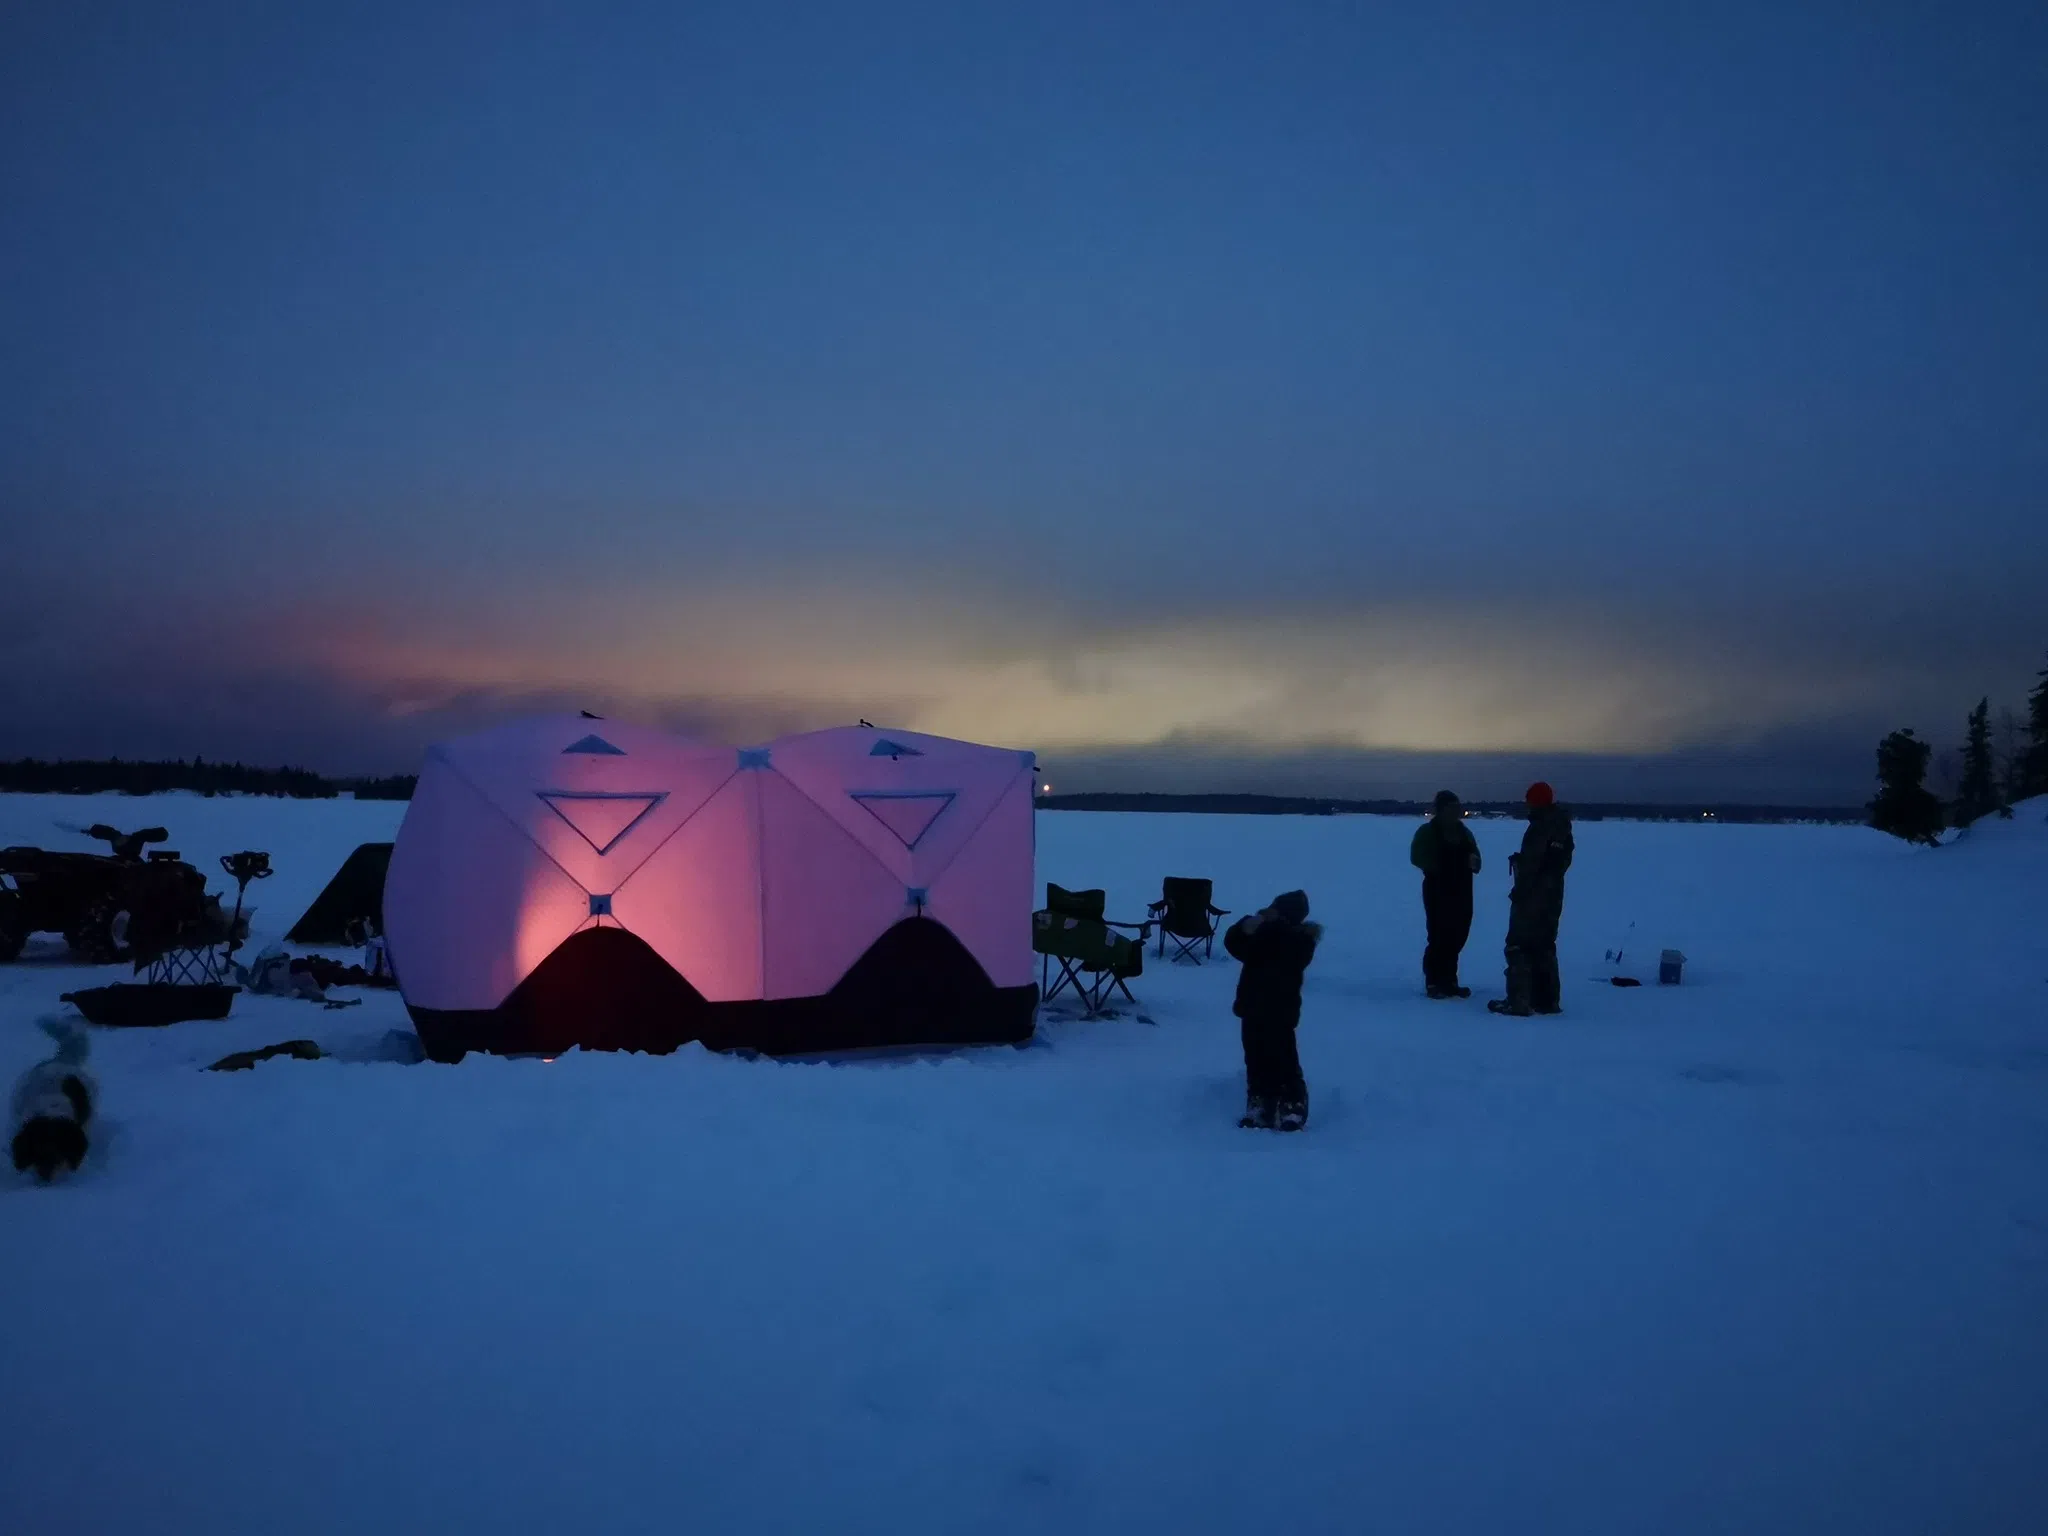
1185	915
1093	962
187	951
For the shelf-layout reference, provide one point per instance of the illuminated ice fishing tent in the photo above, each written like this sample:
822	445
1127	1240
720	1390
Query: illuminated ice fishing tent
568	881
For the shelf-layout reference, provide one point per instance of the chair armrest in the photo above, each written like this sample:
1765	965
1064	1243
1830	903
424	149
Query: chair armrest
1143	928
1155	908
1219	911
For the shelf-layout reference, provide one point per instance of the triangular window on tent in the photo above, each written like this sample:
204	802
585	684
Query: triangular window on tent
909	816
593	746
888	748
600	819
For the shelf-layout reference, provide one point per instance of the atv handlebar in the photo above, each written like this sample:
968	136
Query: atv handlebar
126	845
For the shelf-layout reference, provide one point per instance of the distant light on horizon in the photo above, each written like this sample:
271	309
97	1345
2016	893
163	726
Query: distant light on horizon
783	649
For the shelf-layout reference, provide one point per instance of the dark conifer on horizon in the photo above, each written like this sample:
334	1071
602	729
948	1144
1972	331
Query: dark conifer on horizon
1904	806
1977	795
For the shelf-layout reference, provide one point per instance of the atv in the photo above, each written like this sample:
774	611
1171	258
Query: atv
96	899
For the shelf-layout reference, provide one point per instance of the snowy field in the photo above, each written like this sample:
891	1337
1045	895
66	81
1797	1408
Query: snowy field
1764	1253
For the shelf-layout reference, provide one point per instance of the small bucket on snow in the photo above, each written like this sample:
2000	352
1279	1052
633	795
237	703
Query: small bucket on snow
1670	966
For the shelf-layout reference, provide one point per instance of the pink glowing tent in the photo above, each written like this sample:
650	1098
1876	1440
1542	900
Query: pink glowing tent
568	881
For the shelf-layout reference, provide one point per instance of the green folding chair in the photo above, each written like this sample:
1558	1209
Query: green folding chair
1071	934
1186	914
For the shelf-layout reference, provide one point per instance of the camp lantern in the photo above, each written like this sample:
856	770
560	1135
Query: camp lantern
565	882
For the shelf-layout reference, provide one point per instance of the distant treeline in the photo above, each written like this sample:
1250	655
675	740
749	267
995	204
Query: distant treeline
2001	764
1298	805
398	786
32	776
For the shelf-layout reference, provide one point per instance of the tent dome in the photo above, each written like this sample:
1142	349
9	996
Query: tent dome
566	881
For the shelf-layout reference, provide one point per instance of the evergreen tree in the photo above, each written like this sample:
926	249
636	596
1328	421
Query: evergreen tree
1904	806
2032	778
2011	738
1978	793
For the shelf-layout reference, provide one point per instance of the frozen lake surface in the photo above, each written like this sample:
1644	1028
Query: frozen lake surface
1767	1252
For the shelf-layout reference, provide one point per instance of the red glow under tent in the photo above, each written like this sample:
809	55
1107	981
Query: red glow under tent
565	881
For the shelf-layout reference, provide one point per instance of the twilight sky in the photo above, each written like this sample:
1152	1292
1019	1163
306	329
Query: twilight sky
1331	397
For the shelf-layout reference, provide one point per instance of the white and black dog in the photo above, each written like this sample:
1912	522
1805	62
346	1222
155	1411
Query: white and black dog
53	1104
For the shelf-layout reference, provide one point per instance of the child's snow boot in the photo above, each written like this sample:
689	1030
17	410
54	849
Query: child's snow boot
1293	1113
1258	1113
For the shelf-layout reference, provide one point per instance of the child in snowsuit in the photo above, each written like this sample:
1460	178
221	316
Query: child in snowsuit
1275	947
1448	856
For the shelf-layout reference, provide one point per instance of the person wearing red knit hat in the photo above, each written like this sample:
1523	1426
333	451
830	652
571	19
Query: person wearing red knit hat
1535	907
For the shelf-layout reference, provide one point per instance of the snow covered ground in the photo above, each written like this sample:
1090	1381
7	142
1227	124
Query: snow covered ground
1767	1252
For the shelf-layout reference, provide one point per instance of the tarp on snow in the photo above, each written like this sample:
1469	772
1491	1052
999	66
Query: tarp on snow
357	890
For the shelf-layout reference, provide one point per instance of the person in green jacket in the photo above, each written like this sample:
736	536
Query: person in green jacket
1444	849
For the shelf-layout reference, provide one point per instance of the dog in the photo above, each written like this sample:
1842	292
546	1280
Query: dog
53	1105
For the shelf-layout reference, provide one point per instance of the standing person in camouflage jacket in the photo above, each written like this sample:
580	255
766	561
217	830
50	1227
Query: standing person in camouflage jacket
1535	906
1448	856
